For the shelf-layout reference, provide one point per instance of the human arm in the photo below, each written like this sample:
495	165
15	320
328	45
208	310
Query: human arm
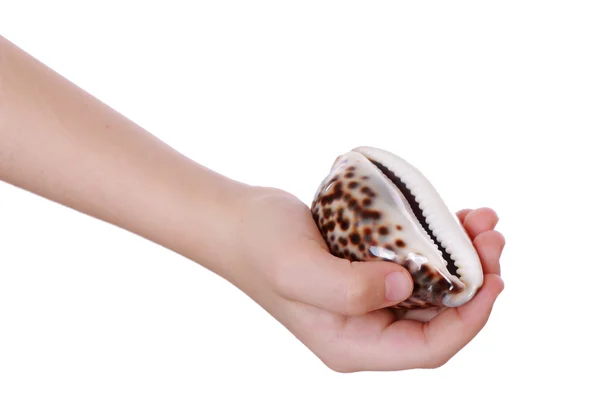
61	143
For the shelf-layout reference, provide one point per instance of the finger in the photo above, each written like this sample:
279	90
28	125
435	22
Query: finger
480	220
350	288
462	214
490	245
453	329
410	344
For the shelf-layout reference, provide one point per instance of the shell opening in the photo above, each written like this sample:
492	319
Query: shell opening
418	212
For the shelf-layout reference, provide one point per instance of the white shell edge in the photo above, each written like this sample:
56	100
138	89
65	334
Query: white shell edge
444	224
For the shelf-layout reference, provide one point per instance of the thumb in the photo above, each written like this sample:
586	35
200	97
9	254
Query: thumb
318	278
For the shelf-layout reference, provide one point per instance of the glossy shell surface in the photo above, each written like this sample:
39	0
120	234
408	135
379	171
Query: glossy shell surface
373	205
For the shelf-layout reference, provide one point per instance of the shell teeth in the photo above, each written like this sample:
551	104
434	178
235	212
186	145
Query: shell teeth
429	219
439	233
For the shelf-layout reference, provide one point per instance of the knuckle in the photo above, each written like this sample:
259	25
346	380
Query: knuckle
356	295
340	369
337	364
501	238
437	361
490	211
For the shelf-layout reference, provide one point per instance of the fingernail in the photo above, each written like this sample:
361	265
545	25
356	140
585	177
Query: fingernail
397	287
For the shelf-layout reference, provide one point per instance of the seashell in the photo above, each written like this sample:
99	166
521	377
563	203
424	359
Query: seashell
374	205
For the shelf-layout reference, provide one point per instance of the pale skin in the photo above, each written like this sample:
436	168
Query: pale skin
61	143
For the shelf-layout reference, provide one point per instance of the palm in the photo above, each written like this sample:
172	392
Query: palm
299	288
380	332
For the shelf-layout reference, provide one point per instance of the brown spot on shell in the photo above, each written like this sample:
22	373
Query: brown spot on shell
368	191
383	230
371	214
400	243
427	277
441	285
368	235
330	226
353	185
336	194
355	238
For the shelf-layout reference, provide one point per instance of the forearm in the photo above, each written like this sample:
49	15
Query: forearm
61	143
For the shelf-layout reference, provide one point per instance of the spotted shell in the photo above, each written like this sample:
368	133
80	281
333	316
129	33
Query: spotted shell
373	205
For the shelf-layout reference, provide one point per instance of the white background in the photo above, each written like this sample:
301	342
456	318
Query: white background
496	102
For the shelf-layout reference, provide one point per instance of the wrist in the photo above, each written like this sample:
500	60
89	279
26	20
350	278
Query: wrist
206	222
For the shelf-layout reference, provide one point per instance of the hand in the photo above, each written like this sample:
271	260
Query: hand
337	308
262	240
